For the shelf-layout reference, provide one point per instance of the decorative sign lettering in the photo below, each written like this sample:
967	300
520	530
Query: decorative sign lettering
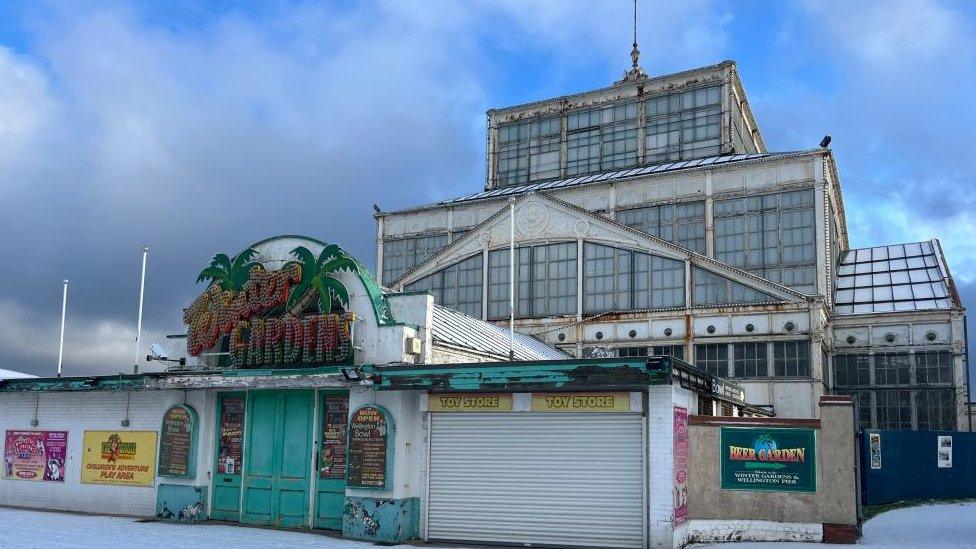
680	456
119	457
35	455
771	459
274	318
463	402
945	452
369	447
335	424
580	402
231	435
875	442
177	442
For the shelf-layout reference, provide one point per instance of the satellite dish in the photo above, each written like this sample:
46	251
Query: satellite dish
157	350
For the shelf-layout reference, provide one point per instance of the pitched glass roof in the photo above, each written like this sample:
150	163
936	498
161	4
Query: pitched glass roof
901	277
595	178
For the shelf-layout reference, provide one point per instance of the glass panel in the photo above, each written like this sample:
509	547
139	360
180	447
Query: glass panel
749	360
713	358
402	255
791	358
713	289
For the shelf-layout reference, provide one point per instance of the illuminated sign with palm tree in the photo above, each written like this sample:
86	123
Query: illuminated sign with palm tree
296	315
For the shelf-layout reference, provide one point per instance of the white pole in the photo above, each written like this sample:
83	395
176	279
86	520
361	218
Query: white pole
511	280
64	309
142	292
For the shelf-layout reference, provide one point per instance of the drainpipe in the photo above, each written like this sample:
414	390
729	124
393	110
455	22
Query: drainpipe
969	394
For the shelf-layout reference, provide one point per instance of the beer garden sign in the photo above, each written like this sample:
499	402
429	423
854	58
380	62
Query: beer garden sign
297	315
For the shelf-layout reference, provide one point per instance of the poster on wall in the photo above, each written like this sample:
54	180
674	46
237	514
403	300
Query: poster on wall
127	458
35	455
680	465
334	426
945	452
176	442
769	459
231	436
369	440
875	447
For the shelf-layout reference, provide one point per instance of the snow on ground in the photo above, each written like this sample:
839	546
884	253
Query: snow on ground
42	530
942	526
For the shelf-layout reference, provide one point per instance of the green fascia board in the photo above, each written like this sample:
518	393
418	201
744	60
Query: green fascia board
476	376
116	382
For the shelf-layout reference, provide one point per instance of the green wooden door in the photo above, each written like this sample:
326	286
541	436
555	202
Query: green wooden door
330	492
276	470
228	455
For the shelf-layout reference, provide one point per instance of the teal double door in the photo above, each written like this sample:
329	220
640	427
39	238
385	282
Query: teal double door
283	461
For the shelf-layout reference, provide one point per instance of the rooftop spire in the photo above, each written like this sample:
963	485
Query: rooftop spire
635	71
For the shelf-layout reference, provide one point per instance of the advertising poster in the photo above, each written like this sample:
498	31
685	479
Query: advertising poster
231	435
334	429
35	455
176	442
875	444
127	458
680	465
945	452
770	459
368	448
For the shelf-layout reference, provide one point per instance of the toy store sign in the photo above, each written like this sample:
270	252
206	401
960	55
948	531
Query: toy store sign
35	455
262	329
769	459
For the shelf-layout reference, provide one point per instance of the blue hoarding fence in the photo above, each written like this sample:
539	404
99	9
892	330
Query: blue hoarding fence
916	465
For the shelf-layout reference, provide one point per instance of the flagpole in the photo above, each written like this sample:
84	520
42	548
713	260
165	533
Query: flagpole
64	309
511	280
142	292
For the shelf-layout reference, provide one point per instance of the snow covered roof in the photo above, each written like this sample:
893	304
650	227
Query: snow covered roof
12	374
455	328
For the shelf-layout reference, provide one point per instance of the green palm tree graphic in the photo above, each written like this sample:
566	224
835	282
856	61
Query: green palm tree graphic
230	275
320	274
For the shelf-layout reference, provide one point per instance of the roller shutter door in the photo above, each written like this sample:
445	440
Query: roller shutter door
564	480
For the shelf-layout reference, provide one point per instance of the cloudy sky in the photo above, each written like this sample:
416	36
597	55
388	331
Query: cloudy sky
197	129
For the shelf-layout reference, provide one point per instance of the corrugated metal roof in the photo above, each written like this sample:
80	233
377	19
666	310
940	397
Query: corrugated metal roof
619	174
456	328
899	277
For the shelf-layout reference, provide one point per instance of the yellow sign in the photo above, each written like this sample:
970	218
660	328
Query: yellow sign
580	402
119	457
461	402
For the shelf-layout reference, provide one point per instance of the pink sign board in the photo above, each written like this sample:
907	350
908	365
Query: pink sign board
680	465
35	455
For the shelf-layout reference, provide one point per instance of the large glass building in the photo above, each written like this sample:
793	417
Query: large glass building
650	218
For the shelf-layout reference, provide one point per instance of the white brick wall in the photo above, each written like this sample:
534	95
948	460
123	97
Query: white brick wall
660	473
97	410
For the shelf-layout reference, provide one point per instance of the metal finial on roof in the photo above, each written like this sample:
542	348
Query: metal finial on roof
635	72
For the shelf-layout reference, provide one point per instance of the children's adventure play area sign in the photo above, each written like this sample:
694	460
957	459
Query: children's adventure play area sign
119	457
770	459
35	455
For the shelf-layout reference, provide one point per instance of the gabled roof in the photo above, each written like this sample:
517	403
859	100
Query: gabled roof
892	278
460	330
593	227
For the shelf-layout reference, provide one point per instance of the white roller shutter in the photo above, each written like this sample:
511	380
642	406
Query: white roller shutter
565	480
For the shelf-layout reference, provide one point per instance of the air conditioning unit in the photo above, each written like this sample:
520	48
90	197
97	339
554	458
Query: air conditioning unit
413	345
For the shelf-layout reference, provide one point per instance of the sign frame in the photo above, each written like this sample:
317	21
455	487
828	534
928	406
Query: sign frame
390	443
584	402
191	458
727	470
470	402
40	440
149	482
